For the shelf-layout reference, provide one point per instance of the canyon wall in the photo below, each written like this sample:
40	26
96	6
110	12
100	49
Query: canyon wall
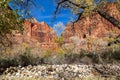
36	34
93	30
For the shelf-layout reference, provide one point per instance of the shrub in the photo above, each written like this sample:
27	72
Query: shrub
110	56
60	41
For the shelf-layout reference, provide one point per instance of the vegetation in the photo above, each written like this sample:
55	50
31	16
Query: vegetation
60	41
21	55
8	21
8	18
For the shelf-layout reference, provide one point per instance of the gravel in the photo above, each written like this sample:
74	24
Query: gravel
62	71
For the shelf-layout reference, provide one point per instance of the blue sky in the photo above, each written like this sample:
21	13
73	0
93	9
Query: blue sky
44	11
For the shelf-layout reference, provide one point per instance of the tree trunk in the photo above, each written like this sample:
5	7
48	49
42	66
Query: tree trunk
109	18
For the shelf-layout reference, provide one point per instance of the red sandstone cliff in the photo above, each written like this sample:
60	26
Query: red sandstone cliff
40	34
36	34
94	27
39	31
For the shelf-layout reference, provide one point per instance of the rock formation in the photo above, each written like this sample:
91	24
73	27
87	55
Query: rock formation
39	31
36	34
93	29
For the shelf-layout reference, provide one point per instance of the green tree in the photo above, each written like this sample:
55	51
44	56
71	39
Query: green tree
8	20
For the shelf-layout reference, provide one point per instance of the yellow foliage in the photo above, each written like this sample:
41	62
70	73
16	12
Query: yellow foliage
60	51
118	4
86	2
77	1
90	40
46	53
24	45
89	4
110	39
59	40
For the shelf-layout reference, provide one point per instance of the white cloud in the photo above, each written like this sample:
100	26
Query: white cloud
59	28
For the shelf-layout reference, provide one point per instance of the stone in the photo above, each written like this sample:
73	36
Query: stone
17	74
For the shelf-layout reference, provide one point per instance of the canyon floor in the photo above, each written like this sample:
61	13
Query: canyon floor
63	72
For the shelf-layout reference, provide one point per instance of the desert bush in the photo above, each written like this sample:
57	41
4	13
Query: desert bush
84	57
110	56
46	53
25	59
54	59
60	51
116	55
24	55
72	58
60	41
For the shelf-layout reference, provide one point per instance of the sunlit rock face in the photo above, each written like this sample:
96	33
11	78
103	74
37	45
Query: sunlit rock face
35	34
39	33
93	29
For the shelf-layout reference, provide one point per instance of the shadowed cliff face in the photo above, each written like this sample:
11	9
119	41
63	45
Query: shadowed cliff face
94	28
